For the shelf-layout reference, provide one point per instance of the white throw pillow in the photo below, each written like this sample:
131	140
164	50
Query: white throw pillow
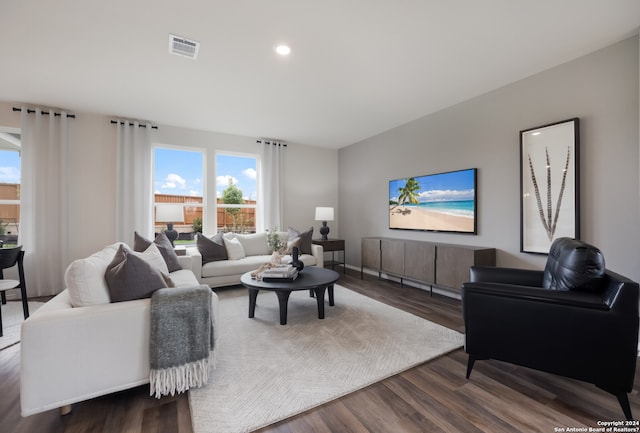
234	249
85	280
153	256
254	244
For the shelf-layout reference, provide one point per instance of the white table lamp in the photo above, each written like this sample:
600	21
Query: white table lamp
324	214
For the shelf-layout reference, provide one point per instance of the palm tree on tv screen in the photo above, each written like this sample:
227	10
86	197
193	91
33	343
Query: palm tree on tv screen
409	193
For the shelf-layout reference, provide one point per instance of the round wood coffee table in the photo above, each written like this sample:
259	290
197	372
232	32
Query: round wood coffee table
316	280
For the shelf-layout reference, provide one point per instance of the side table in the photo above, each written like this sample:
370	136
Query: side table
333	245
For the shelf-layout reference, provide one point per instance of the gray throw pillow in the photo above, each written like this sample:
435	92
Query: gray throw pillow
130	277
163	243
305	239
211	249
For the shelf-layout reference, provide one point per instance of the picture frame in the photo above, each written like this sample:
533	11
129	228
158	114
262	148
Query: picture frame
549	185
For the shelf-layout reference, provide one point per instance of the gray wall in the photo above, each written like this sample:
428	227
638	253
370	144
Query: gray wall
601	89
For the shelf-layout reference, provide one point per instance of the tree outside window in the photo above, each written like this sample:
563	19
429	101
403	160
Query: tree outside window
236	183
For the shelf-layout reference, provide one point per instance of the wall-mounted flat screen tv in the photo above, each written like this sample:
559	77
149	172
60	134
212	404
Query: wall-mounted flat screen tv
443	202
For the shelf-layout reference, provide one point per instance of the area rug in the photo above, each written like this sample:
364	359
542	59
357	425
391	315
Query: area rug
12	318
266	372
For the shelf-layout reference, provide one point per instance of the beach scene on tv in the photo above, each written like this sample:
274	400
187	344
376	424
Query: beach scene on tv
439	202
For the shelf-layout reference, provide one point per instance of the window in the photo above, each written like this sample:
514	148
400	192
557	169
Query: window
179	198
236	192
9	186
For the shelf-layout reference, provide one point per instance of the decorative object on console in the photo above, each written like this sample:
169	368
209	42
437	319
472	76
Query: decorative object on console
324	214
549	180
170	213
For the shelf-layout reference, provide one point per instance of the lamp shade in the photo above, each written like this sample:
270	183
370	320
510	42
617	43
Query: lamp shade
324	214
169	213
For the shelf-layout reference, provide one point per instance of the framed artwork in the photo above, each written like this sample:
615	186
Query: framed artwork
549	190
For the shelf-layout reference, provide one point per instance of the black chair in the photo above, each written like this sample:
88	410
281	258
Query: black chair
575	319
10	257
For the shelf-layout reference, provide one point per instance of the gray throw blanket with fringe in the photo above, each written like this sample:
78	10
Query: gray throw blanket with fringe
181	340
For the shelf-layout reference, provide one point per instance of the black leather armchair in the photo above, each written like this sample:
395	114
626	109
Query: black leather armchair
575	318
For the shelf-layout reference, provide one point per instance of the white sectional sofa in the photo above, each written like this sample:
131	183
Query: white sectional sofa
255	252
79	345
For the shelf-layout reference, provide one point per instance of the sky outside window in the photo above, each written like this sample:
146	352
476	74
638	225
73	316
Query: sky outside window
241	171
178	172
9	166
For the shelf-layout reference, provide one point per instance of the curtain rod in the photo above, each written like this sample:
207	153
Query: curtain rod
272	142
30	111
141	125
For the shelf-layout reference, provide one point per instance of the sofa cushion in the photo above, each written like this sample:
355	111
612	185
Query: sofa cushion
85	280
247	264
211	249
234	249
164	245
234	267
305	239
130	277
253	244
184	278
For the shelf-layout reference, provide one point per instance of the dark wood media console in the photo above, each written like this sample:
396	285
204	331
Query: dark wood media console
432	263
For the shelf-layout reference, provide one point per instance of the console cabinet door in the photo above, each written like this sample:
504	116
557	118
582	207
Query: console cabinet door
420	261
370	249
393	256
453	263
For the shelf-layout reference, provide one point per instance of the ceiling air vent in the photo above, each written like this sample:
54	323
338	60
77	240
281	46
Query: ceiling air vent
183	47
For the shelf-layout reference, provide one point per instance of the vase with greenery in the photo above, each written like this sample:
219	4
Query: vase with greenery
274	241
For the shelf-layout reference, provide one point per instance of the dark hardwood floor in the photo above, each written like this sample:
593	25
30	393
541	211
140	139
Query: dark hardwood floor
433	397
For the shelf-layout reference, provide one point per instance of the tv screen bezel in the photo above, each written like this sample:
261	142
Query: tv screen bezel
433	229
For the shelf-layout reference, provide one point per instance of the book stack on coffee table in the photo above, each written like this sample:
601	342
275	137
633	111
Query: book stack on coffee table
280	273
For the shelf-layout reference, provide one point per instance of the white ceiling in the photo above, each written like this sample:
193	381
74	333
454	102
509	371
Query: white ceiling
358	67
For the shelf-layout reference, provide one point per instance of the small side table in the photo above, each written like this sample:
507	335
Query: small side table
333	245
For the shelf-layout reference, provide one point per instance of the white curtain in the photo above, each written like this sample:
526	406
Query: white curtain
134	199
271	192
44	223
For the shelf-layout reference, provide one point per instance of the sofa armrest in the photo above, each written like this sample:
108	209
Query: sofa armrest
73	354
196	262
516	293
318	252
493	274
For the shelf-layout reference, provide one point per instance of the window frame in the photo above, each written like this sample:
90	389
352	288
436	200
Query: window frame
18	201
256	205
203	205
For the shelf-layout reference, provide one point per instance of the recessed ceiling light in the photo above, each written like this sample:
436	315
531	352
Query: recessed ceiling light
282	49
